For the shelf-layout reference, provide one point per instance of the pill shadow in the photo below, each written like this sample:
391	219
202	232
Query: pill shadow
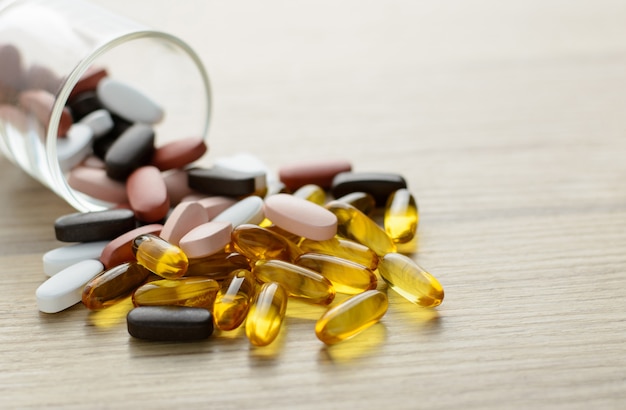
413	316
362	346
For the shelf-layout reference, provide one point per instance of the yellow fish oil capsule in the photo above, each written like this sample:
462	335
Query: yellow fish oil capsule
354	224
401	216
257	243
312	193
351	317
300	283
362	201
411	281
233	300
346	276
342	248
159	256
195	291
113	285
217	266
266	314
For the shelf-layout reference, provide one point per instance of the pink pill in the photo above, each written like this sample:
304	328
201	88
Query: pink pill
120	249
176	184
95	183
184	217
214	205
206	239
319	173
147	194
301	217
179	153
39	103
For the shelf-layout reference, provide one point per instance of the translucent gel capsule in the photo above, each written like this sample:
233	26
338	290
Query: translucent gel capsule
401	216
311	192
362	201
217	266
113	285
351	317
301	283
346	276
160	256
233	300
196	291
411	281
266	314
257	243
354	224
342	248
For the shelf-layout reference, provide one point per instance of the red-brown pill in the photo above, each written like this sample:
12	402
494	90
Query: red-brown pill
179	153
147	194
120	249
319	173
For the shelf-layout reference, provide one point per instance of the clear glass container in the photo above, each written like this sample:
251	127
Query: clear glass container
56	42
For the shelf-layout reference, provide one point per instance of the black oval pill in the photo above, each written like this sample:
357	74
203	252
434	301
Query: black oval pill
83	104
217	181
133	149
170	323
379	184
102	144
94	226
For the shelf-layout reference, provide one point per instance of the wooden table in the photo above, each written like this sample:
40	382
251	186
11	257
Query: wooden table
507	120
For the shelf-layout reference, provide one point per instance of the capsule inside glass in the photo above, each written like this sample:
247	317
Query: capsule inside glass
62	39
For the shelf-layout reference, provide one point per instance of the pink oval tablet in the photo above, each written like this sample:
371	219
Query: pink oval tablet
179	153
182	219
39	103
120	249
95	183
214	205
206	239
176	184
301	217
147	194
319	173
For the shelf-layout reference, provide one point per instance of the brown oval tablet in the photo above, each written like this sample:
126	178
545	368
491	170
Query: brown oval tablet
39	103
319	173
120	249
182	219
147	194
88	81
95	183
179	153
206	239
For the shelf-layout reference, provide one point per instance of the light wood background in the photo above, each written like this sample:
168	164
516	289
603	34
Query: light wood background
508	120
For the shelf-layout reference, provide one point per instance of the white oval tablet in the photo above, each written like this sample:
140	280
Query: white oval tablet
99	121
247	211
75	147
66	287
128	102
206	239
58	259
301	217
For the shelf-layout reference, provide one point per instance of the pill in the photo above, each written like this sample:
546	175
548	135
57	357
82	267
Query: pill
362	201
159	256
266	314
351	317
84	104
93	162
169	323
206	239
183	218
214	205
233	299
217	266
301	217
257	243
128	102
120	250
300	283
131	150
401	216
319	173
40	103
88	81
10	66
249	164
346	276
99	121
410	280
355	225
311	192
247	211
40	77
196	291
178	153
379	184
342	248
73	149
57	259
102	144
113	285
176	185
217	181
94	226
95	183
147	194
65	288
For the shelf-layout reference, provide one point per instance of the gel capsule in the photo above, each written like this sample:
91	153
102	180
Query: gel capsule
266	314
312	193
362	201
301	283
257	243
351	317
354	224
401	216
113	285
342	248
346	276
196	291
233	299
411	281
160	256
217	266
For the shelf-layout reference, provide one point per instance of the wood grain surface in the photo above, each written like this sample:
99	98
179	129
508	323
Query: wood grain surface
508	121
